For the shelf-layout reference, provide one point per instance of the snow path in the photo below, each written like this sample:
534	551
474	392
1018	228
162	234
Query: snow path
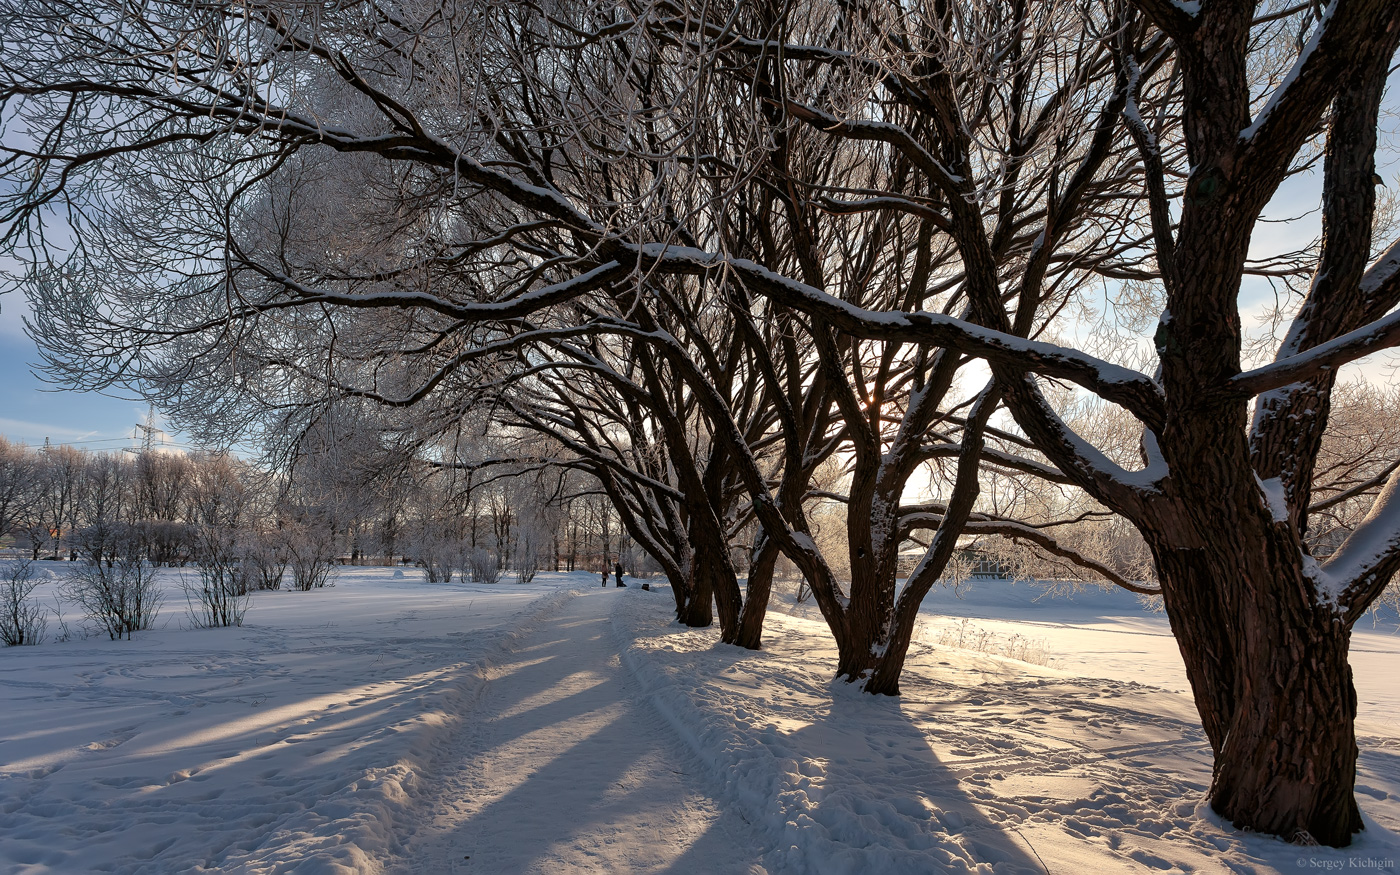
294	744
562	768
557	727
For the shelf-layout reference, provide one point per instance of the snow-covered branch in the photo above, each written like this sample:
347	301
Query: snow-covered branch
1130	389
1362	567
1382	334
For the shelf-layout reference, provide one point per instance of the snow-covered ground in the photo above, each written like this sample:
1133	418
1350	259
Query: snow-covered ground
296	743
387	724
1093	763
1099	633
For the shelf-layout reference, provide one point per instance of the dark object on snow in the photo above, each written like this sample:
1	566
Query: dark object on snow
647	587
617	570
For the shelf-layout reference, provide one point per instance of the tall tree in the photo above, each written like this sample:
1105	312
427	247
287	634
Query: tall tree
514	168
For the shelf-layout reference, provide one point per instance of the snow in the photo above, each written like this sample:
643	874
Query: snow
1094	763
390	725
1378	274
302	735
1366	548
1274	496
565	768
1109	380
1111	633
1281	91
1380	334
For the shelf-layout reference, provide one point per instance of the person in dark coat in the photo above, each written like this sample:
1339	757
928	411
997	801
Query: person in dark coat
617	570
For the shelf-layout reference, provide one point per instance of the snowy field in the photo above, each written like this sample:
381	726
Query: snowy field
386	724
296	743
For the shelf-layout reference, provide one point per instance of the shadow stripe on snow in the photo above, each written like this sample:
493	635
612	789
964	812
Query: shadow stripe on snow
356	828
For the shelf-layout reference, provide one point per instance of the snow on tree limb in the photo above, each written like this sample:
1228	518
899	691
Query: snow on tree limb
1382	279
1175	18
1130	389
1019	531
1382	334
1355	575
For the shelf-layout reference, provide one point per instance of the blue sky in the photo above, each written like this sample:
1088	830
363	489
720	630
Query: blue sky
31	410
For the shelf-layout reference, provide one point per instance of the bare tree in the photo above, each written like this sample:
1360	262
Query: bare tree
17	486
1221	500
915	185
22	619
118	591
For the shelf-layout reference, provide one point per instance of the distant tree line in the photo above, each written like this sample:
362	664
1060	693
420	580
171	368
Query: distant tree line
175	509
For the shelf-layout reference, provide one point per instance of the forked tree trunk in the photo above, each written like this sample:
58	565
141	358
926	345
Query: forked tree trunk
728	599
858	655
1268	668
680	586
888	664
1288	765
868	625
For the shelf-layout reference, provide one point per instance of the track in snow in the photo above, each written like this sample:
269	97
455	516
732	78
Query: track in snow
561	768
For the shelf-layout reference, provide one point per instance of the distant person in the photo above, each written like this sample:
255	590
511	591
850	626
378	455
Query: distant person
617	570
605	577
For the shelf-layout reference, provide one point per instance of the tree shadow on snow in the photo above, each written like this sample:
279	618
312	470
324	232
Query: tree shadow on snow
573	773
834	779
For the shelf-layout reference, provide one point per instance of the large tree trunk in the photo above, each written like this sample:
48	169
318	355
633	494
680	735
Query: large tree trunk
728	599
698	609
870	633
680	589
1288	764
1268	668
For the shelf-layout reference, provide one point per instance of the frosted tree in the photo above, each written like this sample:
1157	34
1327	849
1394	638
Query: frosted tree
942	182
18	486
1222	496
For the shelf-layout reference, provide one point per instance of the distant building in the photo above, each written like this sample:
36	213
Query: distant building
984	567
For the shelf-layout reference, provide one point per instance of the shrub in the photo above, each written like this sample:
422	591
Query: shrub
118	594
440	557
311	557
221	597
22	620
265	562
527	562
484	566
218	599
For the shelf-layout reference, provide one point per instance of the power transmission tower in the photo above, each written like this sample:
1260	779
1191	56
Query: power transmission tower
148	432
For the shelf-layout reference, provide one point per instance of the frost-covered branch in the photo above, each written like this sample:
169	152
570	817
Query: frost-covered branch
1355	575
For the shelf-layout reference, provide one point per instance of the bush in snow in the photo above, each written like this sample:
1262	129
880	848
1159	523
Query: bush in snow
527	565
118	593
437	568
311	556
528	552
439	555
221	597
485	567
966	636
165	542
22	621
265	559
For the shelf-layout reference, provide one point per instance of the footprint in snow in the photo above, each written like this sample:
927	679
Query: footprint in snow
118	737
